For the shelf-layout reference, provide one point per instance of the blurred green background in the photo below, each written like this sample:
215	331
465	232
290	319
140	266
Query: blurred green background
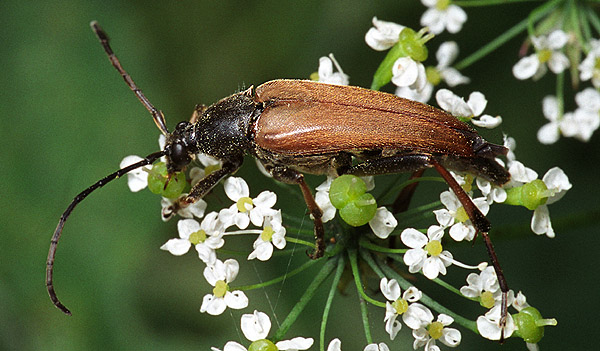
68	120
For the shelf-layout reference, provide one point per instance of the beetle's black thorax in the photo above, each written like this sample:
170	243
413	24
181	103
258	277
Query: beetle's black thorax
222	129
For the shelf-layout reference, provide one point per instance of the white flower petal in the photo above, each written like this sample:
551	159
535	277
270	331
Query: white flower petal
548	133
390	289
255	326
526	67
405	71
213	305
383	223
262	250
335	345
177	247
236	299
413	238
540	223
236	188
297	343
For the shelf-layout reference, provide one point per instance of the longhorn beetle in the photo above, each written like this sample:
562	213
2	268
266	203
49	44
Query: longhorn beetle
296	126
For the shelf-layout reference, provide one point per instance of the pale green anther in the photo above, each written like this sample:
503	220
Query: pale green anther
400	305
433	75
442	4
468	186
435	330
209	169
461	215
262	345
241	203
487	299
197	237
267	233
434	248
544	55
220	288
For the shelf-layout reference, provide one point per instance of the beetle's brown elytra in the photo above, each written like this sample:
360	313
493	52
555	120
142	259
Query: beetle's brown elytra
297	126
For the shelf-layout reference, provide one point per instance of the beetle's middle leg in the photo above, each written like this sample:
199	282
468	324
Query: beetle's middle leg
290	176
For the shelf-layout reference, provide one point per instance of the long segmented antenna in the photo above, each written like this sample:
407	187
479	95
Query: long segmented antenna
61	223
157	115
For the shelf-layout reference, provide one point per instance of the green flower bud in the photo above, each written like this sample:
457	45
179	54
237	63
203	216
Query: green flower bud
348	194
346	189
157	178
530	195
359	212
525	321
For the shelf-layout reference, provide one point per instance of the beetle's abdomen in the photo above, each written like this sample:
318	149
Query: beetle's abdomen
303	117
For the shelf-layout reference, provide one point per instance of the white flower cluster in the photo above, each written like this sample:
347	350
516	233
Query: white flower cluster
585	119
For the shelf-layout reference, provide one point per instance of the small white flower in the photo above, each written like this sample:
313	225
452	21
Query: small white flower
492	192
557	183
138	178
206	238
471	109
246	210
273	235
446	54
256	327
220	275
589	66
398	305
383	223
407	72
441	14
583	122
426	251
455	216
194	210
430	331
383	35
483	286
547	53
488	325
326	73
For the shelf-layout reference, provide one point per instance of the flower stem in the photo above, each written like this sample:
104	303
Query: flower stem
289	274
479	3
336	280
325	271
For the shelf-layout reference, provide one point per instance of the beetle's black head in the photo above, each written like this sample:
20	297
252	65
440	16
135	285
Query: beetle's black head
180	149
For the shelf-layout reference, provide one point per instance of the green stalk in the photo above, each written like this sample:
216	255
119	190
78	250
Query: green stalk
325	271
336	280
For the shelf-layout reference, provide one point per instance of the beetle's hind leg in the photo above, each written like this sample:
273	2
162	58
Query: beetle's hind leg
290	176
417	162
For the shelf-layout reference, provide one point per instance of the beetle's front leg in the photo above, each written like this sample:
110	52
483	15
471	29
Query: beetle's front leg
203	187
290	176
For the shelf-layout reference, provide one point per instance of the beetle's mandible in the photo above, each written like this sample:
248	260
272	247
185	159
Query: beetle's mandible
296	126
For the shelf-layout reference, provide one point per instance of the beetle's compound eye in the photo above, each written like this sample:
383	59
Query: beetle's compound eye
179	156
